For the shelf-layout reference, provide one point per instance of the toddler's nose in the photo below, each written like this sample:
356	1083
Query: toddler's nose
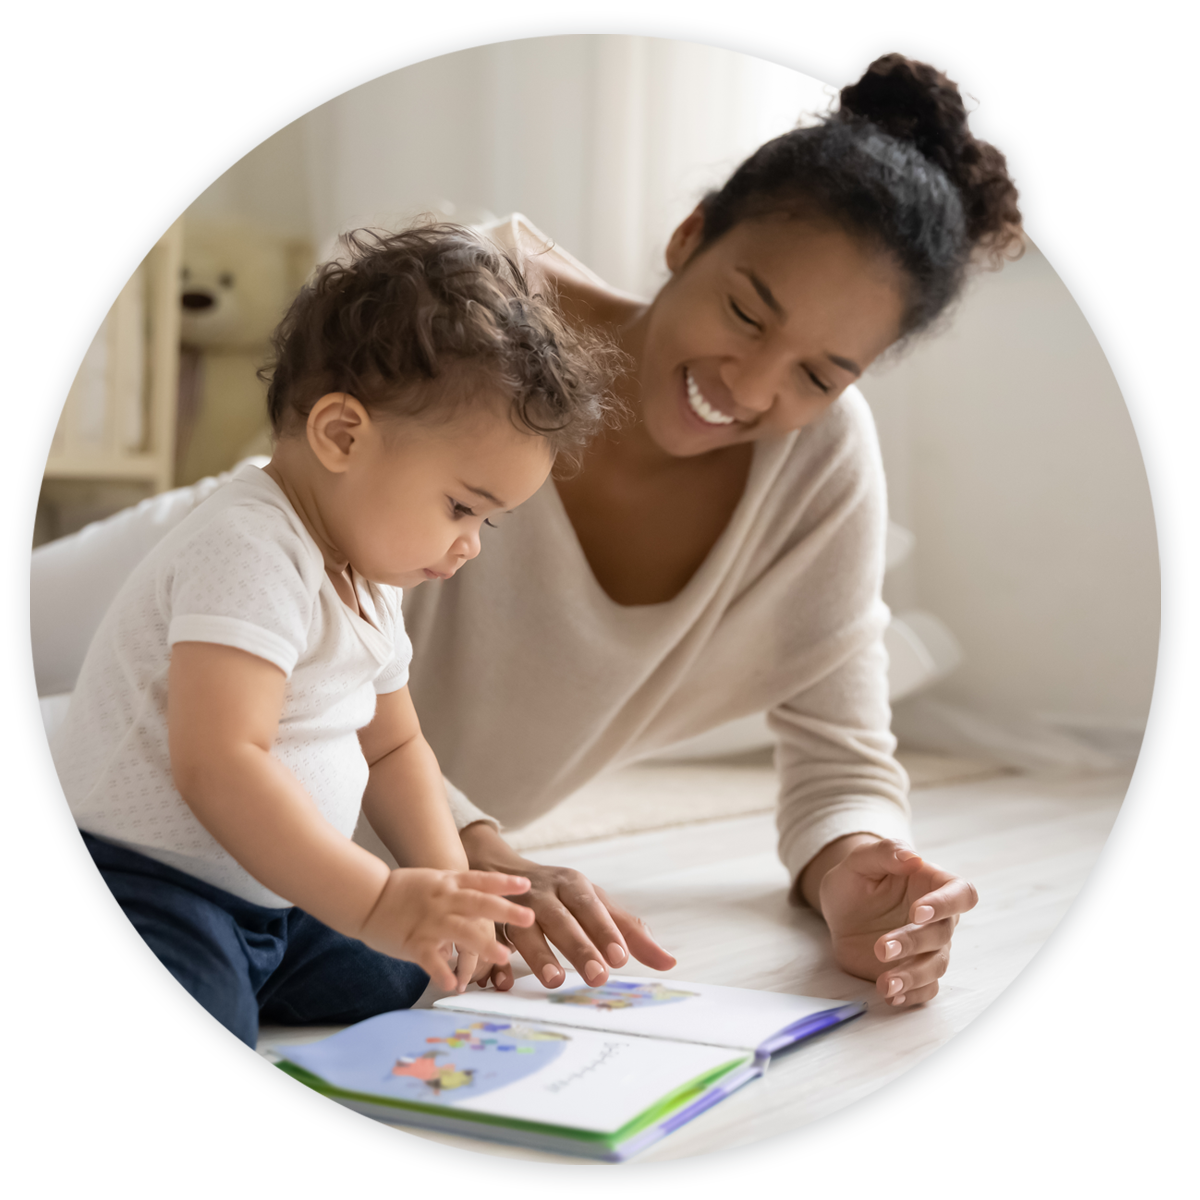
466	547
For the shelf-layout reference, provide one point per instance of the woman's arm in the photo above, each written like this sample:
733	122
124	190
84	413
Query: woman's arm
843	824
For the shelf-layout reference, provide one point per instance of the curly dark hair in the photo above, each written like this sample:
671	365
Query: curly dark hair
896	164
428	321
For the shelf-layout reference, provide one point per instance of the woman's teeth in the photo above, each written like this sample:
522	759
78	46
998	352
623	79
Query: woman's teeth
701	407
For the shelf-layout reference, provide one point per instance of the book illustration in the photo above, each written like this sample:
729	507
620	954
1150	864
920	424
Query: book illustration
620	1066
468	1061
619	993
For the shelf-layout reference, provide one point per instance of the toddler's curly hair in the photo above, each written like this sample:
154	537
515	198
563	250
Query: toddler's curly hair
428	322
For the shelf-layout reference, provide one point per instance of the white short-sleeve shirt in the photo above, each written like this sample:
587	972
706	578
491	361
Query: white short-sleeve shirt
242	571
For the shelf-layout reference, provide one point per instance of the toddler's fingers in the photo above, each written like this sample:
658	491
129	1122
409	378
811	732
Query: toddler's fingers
478	938
494	882
495	908
465	969
433	962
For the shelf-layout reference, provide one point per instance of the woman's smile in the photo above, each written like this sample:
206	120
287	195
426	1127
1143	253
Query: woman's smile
699	403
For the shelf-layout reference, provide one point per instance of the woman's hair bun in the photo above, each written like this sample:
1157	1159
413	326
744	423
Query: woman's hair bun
915	102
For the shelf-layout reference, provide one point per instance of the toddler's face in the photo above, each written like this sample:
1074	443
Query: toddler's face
413	506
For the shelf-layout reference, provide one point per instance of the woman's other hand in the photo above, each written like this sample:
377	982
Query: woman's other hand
589	930
890	914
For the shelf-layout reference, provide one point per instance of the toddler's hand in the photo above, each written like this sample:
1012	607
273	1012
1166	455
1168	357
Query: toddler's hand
421	913
470	968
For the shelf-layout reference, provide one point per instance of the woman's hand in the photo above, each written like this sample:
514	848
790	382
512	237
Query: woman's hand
589	930
890	914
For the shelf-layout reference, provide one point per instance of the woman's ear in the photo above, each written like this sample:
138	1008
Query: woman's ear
685	241
335	423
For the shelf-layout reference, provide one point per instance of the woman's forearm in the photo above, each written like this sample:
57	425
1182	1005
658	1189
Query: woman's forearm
405	802
487	851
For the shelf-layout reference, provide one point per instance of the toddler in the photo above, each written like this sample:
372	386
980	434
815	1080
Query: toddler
245	696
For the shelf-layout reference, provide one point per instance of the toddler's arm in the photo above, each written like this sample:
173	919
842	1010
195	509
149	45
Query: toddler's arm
405	800
223	708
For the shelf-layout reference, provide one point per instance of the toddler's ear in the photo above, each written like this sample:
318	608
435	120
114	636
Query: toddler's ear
335	422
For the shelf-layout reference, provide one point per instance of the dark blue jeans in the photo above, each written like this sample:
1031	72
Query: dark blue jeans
245	962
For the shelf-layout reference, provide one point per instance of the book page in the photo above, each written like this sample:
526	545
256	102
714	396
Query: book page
580	1079
662	1008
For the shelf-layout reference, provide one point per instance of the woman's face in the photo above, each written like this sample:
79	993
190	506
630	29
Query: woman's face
758	334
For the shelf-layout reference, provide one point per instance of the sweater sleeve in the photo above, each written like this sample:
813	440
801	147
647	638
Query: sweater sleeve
835	752
463	811
838	774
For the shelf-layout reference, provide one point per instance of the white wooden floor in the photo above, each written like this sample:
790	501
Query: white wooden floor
714	894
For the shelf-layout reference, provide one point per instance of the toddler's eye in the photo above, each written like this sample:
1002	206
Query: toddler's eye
459	510
489	524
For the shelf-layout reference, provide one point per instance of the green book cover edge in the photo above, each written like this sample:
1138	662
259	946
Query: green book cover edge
656	1112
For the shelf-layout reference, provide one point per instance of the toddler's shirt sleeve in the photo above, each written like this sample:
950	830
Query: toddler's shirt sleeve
247	579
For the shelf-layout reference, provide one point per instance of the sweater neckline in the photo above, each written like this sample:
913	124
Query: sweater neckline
768	455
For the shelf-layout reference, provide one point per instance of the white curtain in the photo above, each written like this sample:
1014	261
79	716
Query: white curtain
605	143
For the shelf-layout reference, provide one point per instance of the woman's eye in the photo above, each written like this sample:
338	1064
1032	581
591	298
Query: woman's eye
741	315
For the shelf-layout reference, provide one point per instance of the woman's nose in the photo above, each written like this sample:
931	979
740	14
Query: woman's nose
754	382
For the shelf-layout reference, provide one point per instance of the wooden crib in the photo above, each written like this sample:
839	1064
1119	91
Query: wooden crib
119	419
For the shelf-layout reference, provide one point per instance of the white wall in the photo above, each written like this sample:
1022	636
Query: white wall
604	142
1012	457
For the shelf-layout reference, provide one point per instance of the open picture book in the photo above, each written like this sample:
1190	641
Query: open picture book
599	1072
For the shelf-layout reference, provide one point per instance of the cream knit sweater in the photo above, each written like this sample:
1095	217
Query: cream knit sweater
529	680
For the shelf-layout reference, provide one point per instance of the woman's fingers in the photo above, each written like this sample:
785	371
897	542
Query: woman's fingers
564	910
593	917
638	938
874	860
952	898
916	981
563	929
501	977
913	939
532	946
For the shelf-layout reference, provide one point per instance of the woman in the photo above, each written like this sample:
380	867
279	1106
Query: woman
721	553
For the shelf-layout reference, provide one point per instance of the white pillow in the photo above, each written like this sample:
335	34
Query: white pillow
73	580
